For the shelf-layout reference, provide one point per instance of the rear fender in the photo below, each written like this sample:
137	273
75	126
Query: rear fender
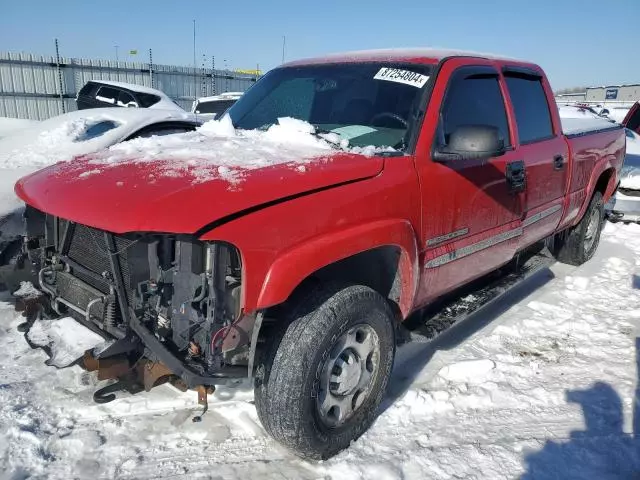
599	169
612	161
300	262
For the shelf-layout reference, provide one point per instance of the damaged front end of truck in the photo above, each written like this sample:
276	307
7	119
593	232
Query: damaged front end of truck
168	302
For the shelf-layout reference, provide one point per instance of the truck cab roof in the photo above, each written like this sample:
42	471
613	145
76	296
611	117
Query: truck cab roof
410	55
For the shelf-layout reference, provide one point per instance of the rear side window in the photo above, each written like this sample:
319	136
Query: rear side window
147	99
89	89
107	95
125	99
215	106
473	100
531	108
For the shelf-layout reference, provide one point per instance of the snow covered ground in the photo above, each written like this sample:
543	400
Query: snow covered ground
540	385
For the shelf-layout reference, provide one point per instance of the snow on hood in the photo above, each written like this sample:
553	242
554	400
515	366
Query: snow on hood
218	150
232	169
630	174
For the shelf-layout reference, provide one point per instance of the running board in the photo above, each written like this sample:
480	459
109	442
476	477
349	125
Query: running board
431	321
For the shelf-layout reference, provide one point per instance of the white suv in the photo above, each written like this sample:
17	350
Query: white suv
208	108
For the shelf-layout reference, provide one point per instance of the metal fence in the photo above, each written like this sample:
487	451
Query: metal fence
37	87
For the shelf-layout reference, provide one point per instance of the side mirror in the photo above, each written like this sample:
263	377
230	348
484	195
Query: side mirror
471	142
132	105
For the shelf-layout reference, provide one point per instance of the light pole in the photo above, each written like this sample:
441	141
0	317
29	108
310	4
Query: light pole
284	41
195	78
116	47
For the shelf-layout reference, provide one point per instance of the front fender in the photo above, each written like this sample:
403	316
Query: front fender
298	263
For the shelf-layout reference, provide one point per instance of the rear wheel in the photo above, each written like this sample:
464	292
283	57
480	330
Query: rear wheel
320	386
579	244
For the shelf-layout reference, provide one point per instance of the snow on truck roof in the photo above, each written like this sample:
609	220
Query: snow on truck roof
398	55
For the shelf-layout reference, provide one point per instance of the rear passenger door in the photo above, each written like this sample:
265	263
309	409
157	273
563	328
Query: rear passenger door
543	150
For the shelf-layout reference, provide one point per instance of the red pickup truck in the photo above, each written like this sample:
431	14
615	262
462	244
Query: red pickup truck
299	277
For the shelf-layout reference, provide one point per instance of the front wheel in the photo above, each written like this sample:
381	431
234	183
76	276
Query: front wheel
579	244
320	387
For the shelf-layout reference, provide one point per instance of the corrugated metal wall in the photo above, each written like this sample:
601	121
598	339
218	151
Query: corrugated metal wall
38	87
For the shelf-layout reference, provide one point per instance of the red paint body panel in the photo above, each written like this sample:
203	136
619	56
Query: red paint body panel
121	198
344	220
347	204
591	155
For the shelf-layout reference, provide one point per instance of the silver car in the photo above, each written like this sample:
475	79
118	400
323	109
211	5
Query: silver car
625	204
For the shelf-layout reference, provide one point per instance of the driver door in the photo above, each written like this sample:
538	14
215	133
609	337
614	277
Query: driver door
471	209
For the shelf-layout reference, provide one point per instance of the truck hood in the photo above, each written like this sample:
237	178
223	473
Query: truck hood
147	196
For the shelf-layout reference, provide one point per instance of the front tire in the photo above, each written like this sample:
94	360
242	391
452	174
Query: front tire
578	244
319	388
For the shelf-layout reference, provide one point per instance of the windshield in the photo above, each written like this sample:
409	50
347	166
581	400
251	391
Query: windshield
366	103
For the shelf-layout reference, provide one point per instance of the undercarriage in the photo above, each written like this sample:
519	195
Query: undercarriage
163	299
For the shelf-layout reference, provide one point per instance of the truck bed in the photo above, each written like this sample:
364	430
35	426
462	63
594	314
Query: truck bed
594	145
576	127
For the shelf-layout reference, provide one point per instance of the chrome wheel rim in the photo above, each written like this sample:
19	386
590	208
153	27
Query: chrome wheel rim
347	375
592	230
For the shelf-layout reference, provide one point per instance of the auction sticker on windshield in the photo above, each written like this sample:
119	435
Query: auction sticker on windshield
401	76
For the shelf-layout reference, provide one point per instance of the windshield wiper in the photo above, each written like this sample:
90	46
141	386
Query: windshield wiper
322	134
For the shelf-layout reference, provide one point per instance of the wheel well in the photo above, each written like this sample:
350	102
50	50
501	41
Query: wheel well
378	268
603	181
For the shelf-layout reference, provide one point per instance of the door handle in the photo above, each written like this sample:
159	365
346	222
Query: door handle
558	162
516	176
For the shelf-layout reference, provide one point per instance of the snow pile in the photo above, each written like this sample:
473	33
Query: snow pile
218	150
30	150
65	337
27	291
49	146
541	385
9	126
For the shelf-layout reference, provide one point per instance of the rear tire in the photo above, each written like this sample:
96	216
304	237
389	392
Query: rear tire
578	244
319	385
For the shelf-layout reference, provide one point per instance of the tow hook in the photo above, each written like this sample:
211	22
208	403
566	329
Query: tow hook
142	375
203	393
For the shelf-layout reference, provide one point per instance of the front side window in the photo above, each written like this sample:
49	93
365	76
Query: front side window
530	106
364	103
473	99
